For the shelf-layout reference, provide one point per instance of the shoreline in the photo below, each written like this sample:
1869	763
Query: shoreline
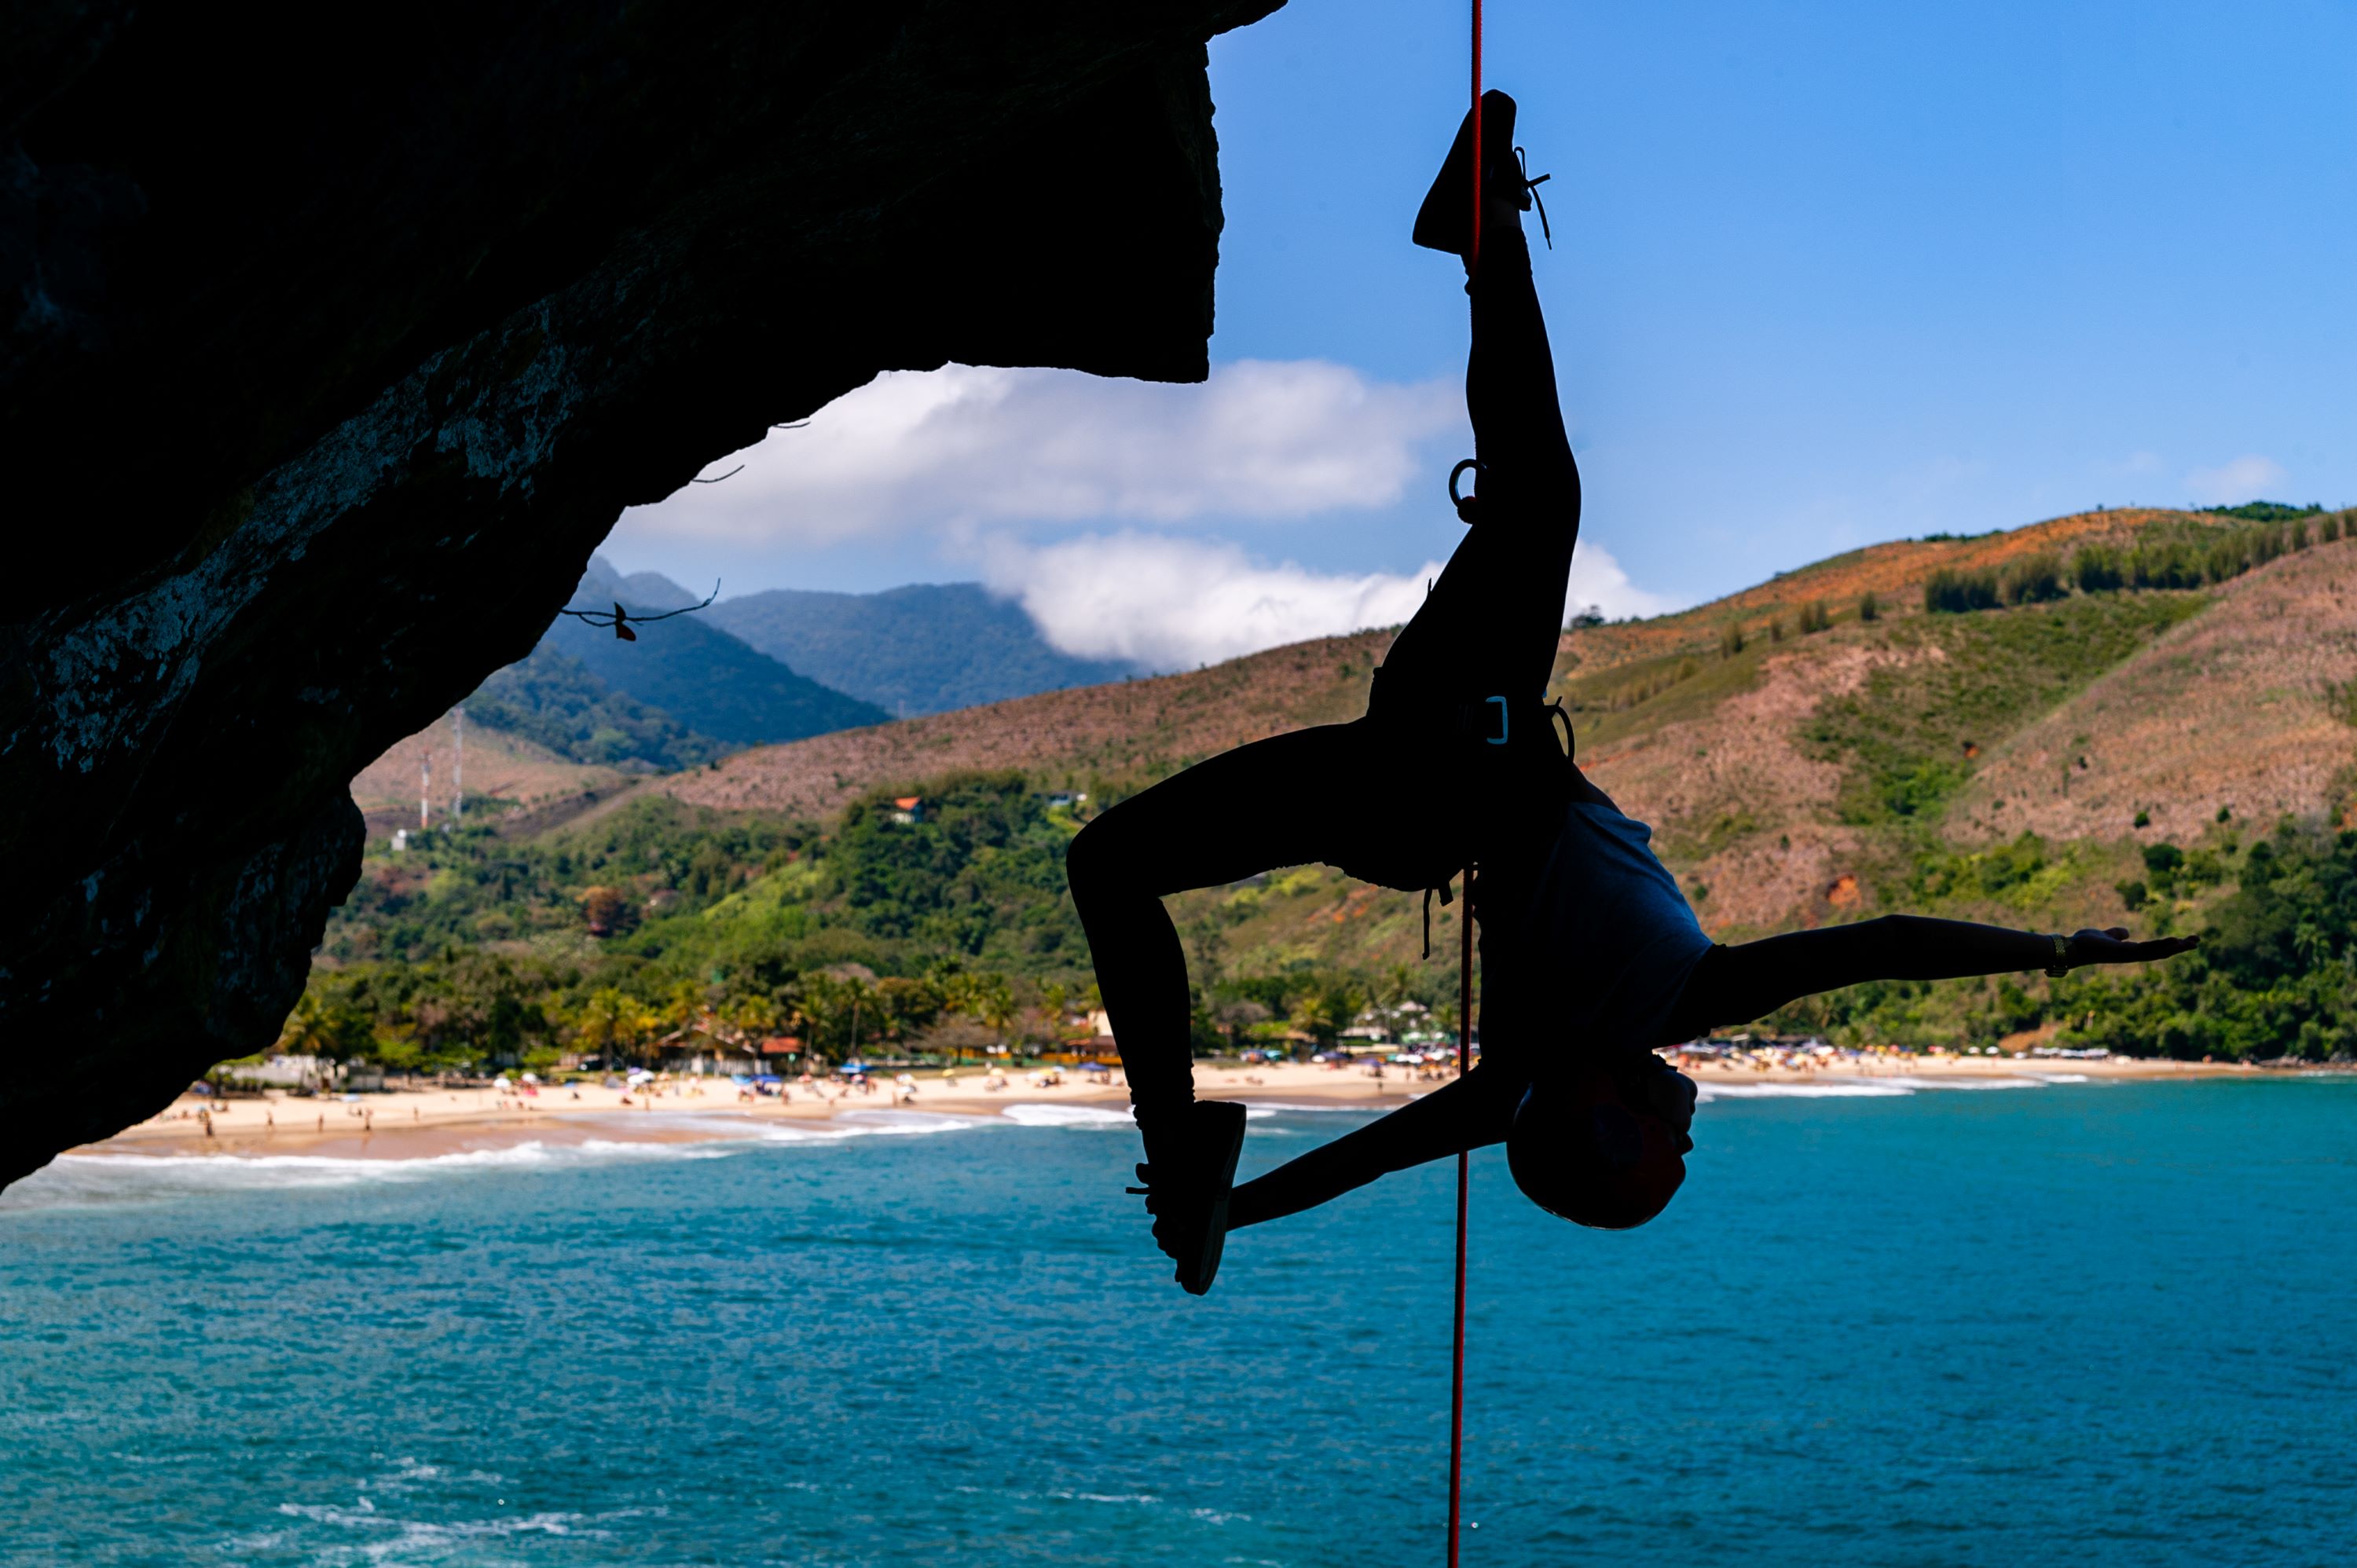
416	1123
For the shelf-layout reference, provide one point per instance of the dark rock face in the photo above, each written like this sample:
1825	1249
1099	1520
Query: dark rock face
325	362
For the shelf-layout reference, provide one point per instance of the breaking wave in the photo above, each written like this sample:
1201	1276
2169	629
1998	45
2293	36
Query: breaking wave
103	1179
1894	1088
1030	1113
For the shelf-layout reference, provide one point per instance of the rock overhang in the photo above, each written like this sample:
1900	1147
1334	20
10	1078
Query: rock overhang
329	369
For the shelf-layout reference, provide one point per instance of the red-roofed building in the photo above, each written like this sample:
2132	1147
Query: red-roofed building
908	808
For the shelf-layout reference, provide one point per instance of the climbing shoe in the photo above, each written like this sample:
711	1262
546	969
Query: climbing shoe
1192	1169
1445	221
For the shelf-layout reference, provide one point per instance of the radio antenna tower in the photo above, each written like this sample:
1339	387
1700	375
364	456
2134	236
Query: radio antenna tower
426	792
458	764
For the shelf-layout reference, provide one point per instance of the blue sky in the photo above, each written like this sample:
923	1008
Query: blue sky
1824	274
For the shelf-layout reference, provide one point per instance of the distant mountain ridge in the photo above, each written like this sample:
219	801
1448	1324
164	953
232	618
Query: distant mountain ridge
550	698
695	671
685	692
927	648
1826	742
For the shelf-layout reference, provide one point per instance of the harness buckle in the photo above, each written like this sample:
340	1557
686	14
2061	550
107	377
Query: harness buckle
1504	722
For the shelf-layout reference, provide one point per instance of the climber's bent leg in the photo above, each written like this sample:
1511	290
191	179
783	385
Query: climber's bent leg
1750	980
1491	622
1332	793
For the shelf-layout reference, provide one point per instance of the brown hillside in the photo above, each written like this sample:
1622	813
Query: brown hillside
1894	572
1142	729
1130	733
1737	805
498	764
2244	706
2181	702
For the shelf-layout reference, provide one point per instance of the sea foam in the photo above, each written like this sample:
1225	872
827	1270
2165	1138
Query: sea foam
102	1178
1828	1089
1893	1088
1259	1108
1030	1113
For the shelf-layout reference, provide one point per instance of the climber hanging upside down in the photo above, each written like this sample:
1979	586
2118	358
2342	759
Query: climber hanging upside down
1591	956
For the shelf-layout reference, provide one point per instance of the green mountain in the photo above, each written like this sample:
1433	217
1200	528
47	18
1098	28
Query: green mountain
550	697
693	671
927	648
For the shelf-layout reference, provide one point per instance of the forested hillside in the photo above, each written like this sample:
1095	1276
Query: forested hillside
551	698
711	683
2117	718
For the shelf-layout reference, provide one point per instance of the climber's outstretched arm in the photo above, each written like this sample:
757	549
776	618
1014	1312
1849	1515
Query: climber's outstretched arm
1467	1112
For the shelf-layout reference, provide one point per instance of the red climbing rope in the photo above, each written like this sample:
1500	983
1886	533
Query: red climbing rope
1464	1189
1464	974
1473	255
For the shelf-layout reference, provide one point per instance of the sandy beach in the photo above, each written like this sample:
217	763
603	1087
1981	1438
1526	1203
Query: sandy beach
411	1124
415	1123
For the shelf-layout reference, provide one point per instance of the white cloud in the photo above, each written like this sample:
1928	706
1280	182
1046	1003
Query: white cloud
1072	490
1172	603
969	446
2245	478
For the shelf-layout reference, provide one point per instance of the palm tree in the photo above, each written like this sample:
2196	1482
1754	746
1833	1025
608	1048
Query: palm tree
752	1016
995	1005
815	1003
1392	992
1326	1012
308	1030
1237	1016
611	1020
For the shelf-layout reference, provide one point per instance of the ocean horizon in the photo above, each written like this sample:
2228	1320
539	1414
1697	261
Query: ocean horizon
2043	1320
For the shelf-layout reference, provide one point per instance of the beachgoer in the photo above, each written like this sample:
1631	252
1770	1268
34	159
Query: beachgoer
1592	958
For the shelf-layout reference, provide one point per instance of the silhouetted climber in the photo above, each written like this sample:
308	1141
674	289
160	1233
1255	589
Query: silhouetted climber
1590	954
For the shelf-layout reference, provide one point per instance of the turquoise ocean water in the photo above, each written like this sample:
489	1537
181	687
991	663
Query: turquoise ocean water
2076	1324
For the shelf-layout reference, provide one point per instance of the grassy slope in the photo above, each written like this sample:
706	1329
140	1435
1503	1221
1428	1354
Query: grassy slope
498	764
1876	765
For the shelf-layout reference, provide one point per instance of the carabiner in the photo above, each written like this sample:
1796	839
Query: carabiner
1463	503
